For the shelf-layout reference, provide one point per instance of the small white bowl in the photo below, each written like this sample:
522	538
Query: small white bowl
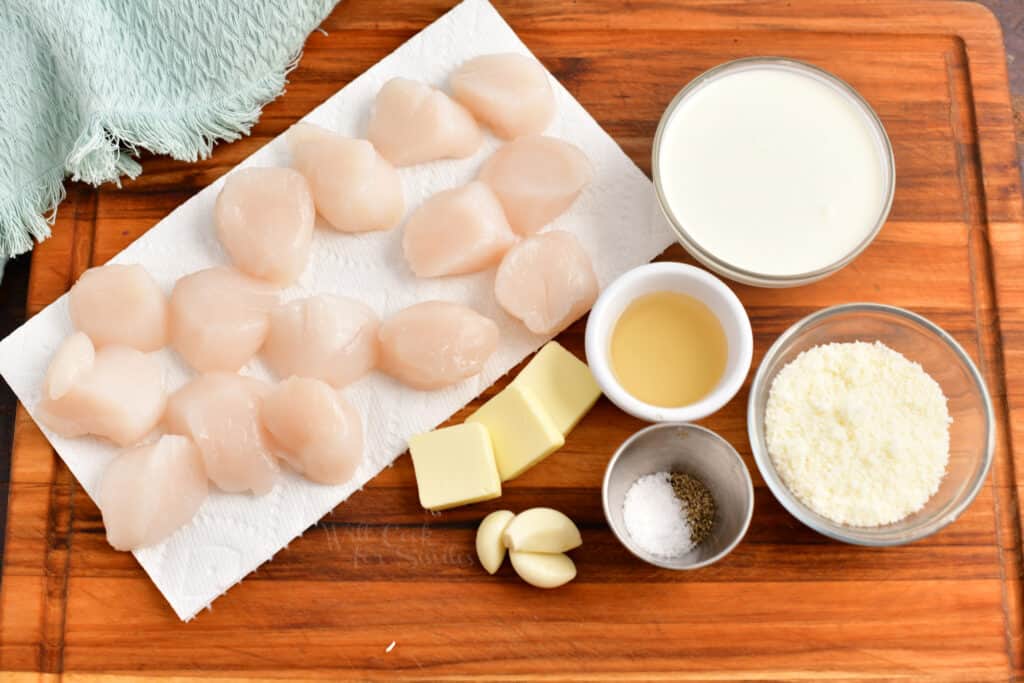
671	277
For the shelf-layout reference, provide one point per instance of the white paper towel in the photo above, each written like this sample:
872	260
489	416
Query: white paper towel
616	219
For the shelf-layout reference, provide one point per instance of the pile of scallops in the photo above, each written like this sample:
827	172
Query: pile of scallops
237	431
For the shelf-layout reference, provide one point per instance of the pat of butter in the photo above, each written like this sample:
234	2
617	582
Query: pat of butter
521	432
454	466
561	383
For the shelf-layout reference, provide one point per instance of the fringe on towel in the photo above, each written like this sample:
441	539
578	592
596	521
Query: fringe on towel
26	217
103	152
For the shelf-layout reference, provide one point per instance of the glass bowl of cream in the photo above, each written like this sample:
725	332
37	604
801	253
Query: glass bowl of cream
971	431
773	172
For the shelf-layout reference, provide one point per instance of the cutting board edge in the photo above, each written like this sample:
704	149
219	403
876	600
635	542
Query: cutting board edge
1002	186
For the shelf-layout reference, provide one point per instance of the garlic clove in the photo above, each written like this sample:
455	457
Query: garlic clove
542	530
490	547
543	570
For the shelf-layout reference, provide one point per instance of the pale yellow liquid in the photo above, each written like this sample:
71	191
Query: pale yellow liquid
668	349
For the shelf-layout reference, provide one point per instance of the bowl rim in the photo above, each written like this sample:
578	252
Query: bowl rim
767	469
724	268
600	366
665	563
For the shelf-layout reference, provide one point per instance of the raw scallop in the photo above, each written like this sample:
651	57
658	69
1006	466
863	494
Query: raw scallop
457	231
120	304
547	281
353	186
116	392
320	433
436	343
220	411
509	92
536	178
328	337
265	219
150	492
219	318
413	123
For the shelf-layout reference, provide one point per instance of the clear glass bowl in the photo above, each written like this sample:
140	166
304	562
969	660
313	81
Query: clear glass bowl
709	259
972	434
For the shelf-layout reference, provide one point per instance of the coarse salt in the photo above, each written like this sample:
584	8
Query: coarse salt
655	517
857	432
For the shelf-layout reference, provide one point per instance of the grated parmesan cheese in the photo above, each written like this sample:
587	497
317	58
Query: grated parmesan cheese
857	432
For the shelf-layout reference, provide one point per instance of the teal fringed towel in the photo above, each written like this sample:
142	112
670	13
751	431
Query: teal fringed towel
86	83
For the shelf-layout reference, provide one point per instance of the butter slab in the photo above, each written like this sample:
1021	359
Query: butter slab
454	466
521	432
562	385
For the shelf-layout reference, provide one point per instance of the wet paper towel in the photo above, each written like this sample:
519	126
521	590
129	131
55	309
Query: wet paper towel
616	219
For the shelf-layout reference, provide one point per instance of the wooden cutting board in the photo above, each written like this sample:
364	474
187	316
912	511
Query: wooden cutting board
787	603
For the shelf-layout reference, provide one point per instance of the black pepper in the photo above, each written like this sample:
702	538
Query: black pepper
700	506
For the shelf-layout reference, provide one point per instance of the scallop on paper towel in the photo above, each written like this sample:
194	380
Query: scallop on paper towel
434	344
220	317
220	411
328	337
120	304
320	433
149	492
547	281
116	392
457	231
264	219
509	92
413	123
354	188
536	178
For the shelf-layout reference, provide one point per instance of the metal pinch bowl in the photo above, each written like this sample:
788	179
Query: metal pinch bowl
699	452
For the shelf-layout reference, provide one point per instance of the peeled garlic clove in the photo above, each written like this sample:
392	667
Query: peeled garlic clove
542	530
490	547
543	570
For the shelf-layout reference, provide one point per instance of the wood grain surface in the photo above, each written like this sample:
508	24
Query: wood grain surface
787	603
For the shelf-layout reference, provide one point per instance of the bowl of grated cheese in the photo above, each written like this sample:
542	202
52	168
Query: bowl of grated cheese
870	424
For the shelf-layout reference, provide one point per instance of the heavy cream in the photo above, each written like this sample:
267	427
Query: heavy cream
773	168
